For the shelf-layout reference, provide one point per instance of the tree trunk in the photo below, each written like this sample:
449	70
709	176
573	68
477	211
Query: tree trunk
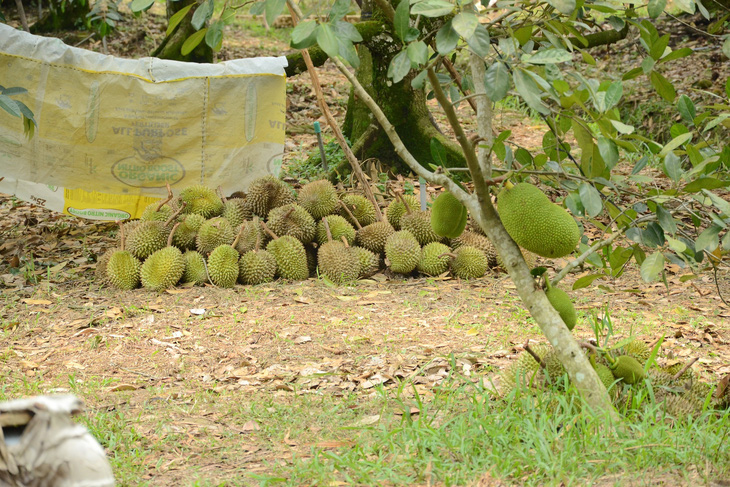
170	48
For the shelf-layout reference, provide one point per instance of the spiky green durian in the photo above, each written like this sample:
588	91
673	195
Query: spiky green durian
164	268
360	209
290	256
223	266
369	261
158	211
397	209
402	251
638	350
187	232
536	223
214	232
201	200
294	220
101	263
256	267
469	263
337	262
195	268
249	233
675	368
123	270
339	227
419	224
448	215
319	198
433	262
146	238
479	241
560	300
266	193
236	211
553	366
374	236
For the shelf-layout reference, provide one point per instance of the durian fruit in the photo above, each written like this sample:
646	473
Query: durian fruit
603	372
397	208
164	268
369	261
249	234
479	241
535	223
214	232
524	371
675	368
419	224
101	262
236	211
681	406
290	256
122	268
147	238
196	269
374	236
402	251
223	265
626	368
553	366
475	227
336	261
294	220
311	252
434	259
187	232
560	300
530	259
448	215
638	350
468	262
339	227
266	193
201	200
354	207
160	210
256	266
127	227
319	198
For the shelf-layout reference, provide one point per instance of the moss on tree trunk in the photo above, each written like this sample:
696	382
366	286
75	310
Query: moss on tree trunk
171	45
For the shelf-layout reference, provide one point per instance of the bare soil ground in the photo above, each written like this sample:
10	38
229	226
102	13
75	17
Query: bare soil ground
184	368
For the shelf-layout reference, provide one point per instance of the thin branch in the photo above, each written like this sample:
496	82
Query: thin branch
582	258
534	355
684	369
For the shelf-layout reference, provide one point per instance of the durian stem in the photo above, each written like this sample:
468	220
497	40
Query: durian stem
537	358
288	213
347	210
589	346
166	200
684	369
327	228
172	233
121	233
344	240
174	215
399	197
448	254
268	230
238	237
219	190
258	234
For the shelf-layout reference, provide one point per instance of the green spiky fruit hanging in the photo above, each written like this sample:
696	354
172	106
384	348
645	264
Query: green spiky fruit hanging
560	300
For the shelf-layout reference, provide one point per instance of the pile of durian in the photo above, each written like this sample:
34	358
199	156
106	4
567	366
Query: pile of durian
272	231
675	386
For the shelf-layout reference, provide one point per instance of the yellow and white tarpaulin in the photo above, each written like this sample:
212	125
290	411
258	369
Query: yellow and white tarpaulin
112	132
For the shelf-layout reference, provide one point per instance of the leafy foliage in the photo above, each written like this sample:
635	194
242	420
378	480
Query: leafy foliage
18	109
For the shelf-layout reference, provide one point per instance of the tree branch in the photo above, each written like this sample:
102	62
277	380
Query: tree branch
582	258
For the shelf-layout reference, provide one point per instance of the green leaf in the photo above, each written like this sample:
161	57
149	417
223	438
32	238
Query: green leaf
432	8
438	152
10	106
591	199
339	9
529	91
420	80
704	183
177	18
563	6
665	220
140	5
663	86
327	40
193	41
548	56
634	73
399	67
673	166
496	81
214	36
676	142
659	47
402	20
479	41
201	15
523	34
587	58
586	281
417	53
622	127
608	150
719	203
446	39
708	240
726	52
647	65
679	53
304	35
273	10
676	245
686	108
349	53
465	23
652	266
345	30
656	7
613	94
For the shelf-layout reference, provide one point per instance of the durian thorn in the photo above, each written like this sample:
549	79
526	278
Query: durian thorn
268	230
344	240
327	228
238	237
347	210
166	200
121	232
172	232
508	185
174	215
537	358
684	369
